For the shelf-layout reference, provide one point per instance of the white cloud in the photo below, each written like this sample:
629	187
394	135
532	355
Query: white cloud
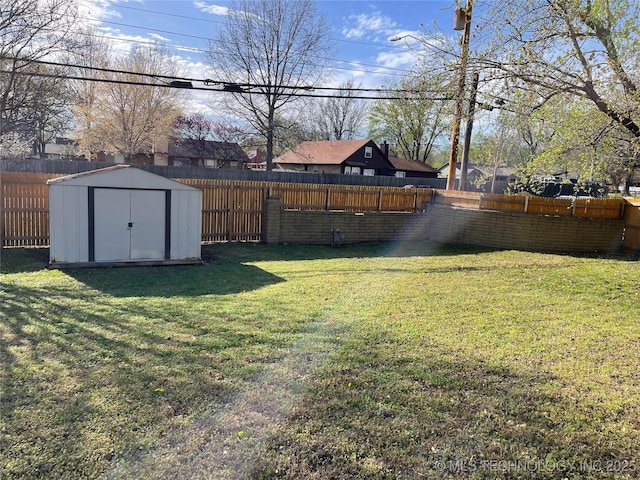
405	59
160	38
96	10
367	25
212	9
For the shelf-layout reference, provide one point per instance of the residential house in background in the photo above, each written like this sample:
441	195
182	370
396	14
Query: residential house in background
61	149
482	178
142	158
199	153
412	168
256	159
350	157
206	153
187	152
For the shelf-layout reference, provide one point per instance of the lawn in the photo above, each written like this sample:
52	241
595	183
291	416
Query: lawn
398	361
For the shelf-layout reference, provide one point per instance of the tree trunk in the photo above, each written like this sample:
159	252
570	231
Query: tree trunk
270	128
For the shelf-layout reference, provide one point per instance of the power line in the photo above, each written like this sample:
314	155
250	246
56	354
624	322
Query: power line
200	50
187	85
208	20
199	37
228	85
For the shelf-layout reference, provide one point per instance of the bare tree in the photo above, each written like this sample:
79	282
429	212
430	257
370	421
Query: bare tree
50	109
203	139
414	123
128	118
340	118
583	49
95	54
266	53
29	30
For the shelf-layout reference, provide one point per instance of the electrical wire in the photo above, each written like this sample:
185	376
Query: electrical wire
403	72
217	22
224	83
170	85
200	50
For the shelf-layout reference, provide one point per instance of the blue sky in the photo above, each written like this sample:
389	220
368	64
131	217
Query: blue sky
361	30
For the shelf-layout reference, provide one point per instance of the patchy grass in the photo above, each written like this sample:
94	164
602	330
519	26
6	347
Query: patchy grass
371	361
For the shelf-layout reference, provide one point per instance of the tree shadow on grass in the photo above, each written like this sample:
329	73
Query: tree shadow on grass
254	252
85	378
384	412
23	259
190	281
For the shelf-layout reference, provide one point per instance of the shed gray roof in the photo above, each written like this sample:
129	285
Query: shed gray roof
120	176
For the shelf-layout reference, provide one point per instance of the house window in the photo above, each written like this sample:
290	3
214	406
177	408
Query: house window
347	170
211	163
368	152
401	174
369	172
354	170
181	162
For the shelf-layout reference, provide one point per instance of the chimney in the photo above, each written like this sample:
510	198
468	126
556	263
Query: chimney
385	149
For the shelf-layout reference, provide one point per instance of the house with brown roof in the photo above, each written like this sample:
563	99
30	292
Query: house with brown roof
351	157
412	168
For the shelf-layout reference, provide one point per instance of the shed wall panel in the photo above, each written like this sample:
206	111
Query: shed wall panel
186	224
68	223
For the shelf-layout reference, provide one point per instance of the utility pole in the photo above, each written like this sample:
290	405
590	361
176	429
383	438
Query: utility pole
457	112
467	132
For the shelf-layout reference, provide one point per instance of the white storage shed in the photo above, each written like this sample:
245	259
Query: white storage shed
122	215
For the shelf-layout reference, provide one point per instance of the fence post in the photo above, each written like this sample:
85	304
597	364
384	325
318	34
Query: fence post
271	221
327	200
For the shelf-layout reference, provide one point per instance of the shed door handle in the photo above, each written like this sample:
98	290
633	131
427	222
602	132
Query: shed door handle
130	224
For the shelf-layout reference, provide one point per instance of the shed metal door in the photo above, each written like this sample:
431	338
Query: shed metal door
129	224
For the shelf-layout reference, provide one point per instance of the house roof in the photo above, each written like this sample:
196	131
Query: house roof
405	164
325	152
192	148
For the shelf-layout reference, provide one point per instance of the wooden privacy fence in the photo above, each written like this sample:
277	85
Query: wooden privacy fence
563	207
25	208
233	210
632	225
